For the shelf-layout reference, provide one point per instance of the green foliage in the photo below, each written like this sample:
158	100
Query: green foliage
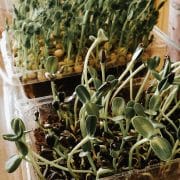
161	148
82	94
13	163
51	64
143	126
22	147
91	123
118	106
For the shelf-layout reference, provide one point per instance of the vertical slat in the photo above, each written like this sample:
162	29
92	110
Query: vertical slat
163	17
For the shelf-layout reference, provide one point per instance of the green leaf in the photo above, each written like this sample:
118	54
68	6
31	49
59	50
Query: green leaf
130	15
82	93
158	125
130	103
161	148
89	4
156	75
92	72
11	137
106	87
150	112
167	68
97	83
114	82
163	84
118	106
110	78
152	63
129	112
139	109
117	118
155	102
91	122
18	126
103	89
13	163
143	126
176	81
51	64
21	146
92	109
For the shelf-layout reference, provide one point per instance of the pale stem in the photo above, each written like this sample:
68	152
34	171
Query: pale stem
177	143
127	80
70	155
169	99
131	86
173	109
170	121
142	141
100	38
103	71
140	90
52	164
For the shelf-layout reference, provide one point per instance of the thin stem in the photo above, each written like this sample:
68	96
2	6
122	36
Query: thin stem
177	143
54	93
103	71
101	38
51	163
173	109
170	121
176	69
85	18
148	153
59	153
170	136
91	162
125	24
169	99
35	165
142	141
127	80
140	90
131	86
106	111
70	155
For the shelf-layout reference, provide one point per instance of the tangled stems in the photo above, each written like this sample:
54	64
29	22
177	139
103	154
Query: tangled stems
53	164
35	165
138	143
70	155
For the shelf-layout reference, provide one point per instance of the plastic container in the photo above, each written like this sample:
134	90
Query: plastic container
39	88
162	171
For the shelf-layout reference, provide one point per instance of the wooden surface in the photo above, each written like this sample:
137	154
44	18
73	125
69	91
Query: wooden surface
6	148
163	17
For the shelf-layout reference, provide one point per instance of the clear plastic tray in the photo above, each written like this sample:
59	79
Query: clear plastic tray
164	171
158	47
